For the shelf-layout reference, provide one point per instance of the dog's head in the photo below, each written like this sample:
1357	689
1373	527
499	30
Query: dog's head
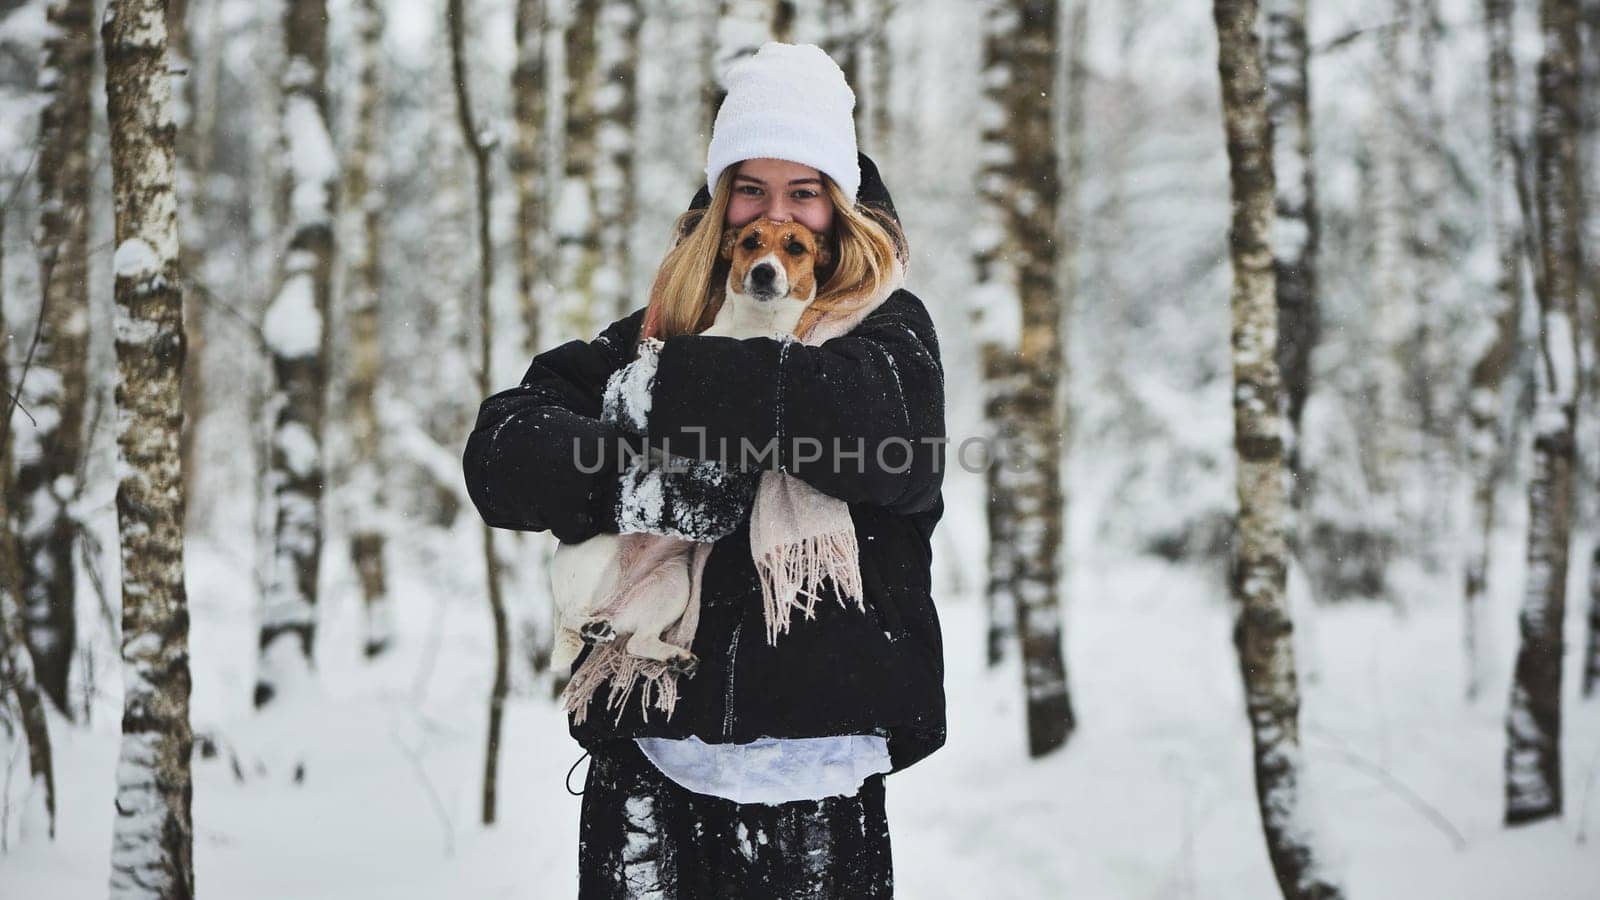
770	260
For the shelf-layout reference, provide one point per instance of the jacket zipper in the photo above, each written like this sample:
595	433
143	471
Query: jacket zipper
727	694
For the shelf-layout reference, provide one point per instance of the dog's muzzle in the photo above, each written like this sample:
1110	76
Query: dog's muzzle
763	281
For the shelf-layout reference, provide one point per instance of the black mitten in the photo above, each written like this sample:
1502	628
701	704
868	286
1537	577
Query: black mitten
699	500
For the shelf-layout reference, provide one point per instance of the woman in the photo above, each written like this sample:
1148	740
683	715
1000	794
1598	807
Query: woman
862	690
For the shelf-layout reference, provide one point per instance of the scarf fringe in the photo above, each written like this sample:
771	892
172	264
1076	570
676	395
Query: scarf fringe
790	571
611	662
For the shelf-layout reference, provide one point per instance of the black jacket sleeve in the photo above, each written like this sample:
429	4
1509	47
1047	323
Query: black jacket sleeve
859	417
539	458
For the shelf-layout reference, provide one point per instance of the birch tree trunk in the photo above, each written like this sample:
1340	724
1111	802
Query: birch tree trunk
365	201
295	329
267	217
617	108
576	221
528	86
198	83
1428	251
1263	633
180	47
1533	721
1485	445
1071	82
1296	233
152	838
1591	132
16	666
480	164
51	458
1075	88
1016	312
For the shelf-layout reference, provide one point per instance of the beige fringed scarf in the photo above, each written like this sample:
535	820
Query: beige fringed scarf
799	536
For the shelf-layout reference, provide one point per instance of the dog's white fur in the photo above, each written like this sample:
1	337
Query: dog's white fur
583	575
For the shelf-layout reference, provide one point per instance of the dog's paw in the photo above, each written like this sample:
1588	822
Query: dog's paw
597	631
685	665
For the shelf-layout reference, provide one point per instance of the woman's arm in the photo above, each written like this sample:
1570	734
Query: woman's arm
878	390
539	458
522	460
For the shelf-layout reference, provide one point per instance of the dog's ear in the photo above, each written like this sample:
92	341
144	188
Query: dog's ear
729	236
824	250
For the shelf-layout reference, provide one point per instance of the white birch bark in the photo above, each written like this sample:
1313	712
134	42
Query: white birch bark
152	836
181	64
616	140
1295	234
479	153
529	86
1486	452
1264	630
296	330
1533	721
1015	310
51	454
1591	139
267	217
197	72
365	202
16	666
576	220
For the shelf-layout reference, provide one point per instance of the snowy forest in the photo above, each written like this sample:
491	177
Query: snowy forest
1301	303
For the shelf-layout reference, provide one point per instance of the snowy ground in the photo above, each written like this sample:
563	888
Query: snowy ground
1151	798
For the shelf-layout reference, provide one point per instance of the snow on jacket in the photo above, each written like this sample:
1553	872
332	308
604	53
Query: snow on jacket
881	385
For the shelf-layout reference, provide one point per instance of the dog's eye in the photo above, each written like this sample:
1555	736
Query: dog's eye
796	248
752	242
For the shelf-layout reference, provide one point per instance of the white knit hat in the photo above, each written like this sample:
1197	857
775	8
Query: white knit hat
791	102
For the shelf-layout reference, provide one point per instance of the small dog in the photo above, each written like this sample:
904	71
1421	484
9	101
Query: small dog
772	278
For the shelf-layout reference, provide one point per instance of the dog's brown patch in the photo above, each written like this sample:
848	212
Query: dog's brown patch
800	250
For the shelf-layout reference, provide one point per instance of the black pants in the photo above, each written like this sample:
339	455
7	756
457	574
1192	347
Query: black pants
642	835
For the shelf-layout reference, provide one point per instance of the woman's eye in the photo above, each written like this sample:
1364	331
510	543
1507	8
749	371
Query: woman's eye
749	190
805	195
797	248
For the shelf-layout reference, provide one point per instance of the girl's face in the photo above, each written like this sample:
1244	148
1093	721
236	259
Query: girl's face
780	190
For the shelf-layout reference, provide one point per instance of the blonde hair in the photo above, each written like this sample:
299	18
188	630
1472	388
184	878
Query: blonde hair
869	252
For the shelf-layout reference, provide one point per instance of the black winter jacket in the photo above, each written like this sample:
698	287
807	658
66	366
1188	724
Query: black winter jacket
840	673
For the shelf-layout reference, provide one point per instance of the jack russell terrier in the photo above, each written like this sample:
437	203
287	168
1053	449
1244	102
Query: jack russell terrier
771	280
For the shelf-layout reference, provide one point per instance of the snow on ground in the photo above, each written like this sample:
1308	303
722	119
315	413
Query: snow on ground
1151	798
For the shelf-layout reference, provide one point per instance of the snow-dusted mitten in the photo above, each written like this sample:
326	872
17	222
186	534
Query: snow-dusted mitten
699	500
626	402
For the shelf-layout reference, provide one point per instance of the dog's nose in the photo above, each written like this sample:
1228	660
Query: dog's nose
761	276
